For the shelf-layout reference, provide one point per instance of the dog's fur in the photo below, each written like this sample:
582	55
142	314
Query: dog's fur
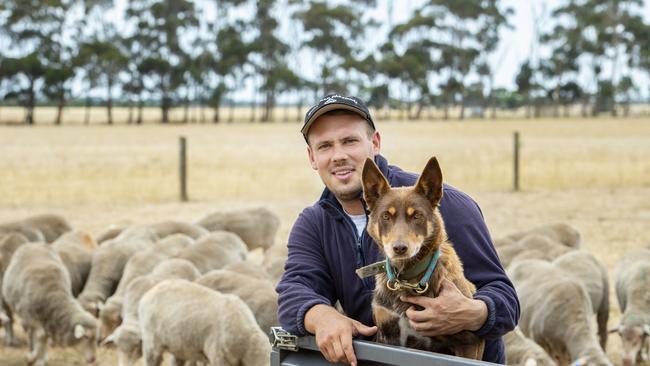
410	216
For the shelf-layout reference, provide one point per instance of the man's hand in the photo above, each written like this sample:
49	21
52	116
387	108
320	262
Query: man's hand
334	332
449	313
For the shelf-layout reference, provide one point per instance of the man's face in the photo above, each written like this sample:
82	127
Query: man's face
338	148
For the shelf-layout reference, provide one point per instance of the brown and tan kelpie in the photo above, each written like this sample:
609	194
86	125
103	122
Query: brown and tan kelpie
407	226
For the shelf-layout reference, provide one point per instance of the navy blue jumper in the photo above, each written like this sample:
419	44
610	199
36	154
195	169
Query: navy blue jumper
325	250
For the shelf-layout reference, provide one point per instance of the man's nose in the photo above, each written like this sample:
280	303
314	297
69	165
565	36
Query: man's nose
339	153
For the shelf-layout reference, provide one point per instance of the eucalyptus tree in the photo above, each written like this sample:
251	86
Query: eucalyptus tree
452	38
38	41
330	31
102	61
160	30
603	36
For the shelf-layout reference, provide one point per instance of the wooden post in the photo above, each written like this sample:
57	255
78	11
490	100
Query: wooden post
516	161
182	168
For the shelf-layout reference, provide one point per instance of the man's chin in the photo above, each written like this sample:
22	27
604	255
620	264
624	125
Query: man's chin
347	195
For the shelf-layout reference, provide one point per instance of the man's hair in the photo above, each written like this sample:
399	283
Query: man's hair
370	130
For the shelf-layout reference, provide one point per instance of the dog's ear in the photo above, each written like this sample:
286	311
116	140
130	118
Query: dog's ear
430	182
374	183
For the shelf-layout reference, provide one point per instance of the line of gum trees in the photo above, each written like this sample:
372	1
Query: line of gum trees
172	53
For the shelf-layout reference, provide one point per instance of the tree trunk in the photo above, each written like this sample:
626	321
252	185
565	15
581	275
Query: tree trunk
216	117
31	101
140	108
186	109
59	110
87	111
269	103
109	100
130	117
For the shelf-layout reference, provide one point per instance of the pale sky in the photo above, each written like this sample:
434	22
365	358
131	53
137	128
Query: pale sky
514	48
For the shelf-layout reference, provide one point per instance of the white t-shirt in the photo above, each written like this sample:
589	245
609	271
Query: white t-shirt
359	222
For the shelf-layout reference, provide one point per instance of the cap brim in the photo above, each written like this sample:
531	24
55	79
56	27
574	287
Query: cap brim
328	108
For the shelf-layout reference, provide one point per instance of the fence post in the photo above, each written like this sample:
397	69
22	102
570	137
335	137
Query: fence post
182	168
516	161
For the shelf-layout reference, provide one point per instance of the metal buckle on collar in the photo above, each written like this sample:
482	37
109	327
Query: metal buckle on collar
399	285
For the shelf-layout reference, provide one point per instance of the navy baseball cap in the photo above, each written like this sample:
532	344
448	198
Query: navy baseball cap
334	102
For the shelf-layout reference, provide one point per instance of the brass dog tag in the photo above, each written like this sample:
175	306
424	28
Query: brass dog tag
371	269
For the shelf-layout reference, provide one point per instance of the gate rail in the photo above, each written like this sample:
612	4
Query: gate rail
289	350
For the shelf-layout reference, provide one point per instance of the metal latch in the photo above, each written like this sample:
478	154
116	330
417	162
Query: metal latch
283	339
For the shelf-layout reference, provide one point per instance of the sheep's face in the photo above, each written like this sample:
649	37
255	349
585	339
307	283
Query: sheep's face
402	219
632	338
84	337
109	319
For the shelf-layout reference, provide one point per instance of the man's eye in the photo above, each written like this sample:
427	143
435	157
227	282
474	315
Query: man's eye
385	216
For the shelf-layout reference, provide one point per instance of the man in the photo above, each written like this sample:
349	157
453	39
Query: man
328	242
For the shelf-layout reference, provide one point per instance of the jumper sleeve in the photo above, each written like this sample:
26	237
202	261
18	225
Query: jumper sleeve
306	281
469	235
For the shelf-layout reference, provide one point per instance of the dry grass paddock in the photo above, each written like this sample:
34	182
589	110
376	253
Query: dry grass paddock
594	174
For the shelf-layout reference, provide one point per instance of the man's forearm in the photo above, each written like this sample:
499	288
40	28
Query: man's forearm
317	314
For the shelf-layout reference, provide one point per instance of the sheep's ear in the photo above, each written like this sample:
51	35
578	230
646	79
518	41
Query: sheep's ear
430	183
109	340
530	362
4	319
374	183
79	331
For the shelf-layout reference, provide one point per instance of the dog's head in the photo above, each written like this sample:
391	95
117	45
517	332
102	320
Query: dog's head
404	220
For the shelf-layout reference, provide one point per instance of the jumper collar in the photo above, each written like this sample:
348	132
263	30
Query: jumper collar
394	283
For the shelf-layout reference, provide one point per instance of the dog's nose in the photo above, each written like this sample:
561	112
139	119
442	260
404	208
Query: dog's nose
400	248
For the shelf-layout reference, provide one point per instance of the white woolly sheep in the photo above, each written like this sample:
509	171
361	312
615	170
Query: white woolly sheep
194	323
214	251
76	250
522	351
37	288
256	226
593	275
560	232
556	313
531	246
127	336
9	243
108	265
259	295
139	264
274	259
633	294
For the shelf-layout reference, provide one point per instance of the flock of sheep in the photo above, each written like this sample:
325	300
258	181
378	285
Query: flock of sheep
188	289
562	288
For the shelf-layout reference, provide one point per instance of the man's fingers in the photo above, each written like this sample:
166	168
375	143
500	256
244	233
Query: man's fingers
346	343
417	300
418	315
364	329
337	349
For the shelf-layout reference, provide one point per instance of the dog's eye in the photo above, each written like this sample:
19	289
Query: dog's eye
417	216
385	216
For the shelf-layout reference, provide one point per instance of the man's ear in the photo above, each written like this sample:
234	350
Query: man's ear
374	183
430	182
310	155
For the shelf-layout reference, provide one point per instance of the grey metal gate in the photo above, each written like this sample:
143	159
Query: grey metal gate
289	350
